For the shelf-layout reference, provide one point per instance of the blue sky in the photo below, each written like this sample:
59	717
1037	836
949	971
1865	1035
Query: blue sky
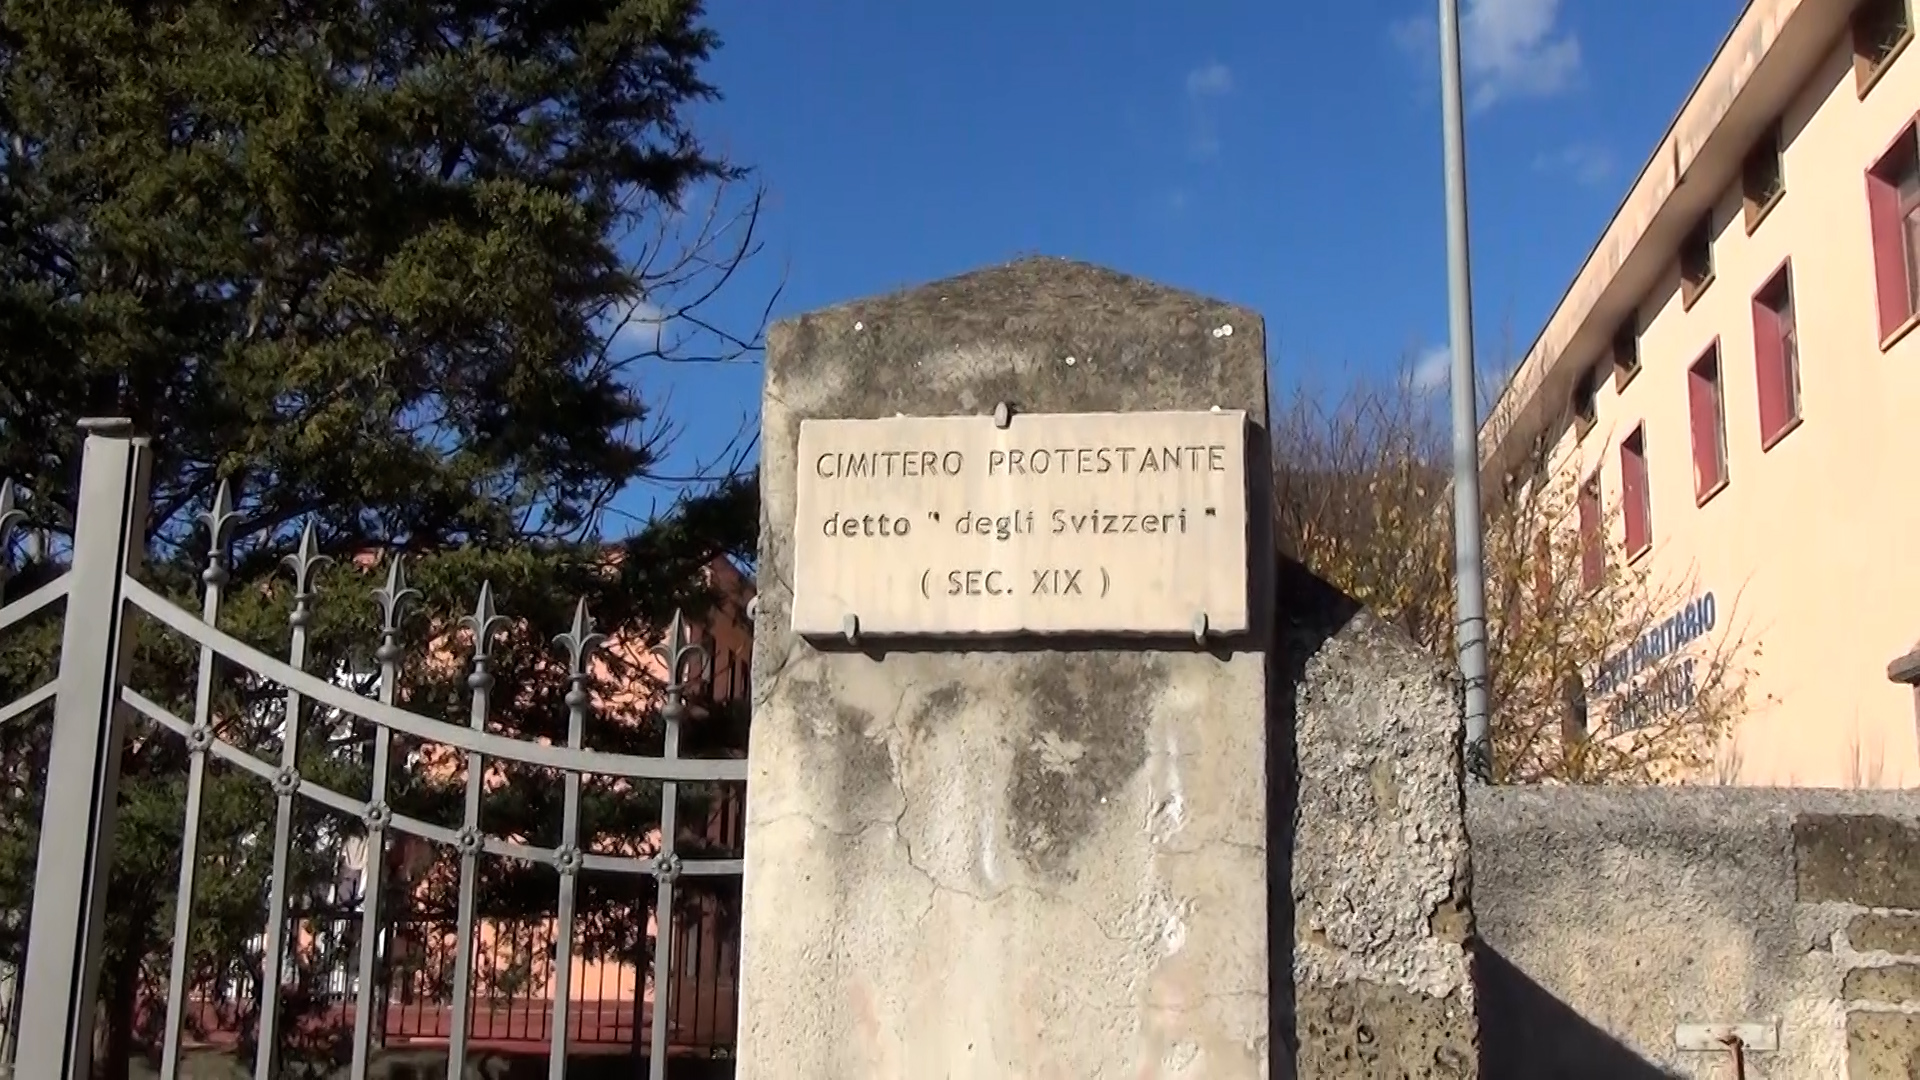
1281	156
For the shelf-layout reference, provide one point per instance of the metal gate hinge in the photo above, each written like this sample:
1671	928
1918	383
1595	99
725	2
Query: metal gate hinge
1734	1040
1754	1037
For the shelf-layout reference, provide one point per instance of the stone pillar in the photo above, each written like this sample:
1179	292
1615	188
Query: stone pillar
1381	917
1042	851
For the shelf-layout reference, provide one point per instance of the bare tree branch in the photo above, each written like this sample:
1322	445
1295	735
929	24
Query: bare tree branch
1601	674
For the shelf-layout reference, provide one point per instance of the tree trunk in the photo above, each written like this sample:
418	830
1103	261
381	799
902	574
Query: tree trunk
122	1000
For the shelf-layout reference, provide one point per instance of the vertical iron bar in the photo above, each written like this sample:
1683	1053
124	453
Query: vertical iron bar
460	998
482	623
712	956
677	652
667	865
78	817
10	984
539	955
392	600
219	520
709	973
1469	569
557	1030
600	1001
517	995
11	518
639	995
579	643
688	950
542	951
303	562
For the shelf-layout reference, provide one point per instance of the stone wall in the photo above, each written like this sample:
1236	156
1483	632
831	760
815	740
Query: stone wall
1609	917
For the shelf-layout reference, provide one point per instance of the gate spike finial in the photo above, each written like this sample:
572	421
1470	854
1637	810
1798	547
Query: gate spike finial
580	641
684	658
483	622
392	599
305	561
676	638
219	519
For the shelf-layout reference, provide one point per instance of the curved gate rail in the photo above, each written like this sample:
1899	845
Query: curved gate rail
90	706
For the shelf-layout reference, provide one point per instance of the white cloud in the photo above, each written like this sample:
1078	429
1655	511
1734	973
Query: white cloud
640	328
1515	48
1509	49
1206	84
1432	370
1210	80
1588	163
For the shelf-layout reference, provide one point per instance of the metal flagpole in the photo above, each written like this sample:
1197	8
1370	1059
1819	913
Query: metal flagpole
1469	565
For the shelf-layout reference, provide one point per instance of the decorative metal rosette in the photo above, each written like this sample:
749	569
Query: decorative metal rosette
666	866
199	738
567	860
378	816
286	781
469	842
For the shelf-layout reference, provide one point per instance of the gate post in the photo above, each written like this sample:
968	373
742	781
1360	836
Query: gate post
77	821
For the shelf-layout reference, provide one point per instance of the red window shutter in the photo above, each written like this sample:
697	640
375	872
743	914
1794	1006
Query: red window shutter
1889	253
1769	366
1703	416
1633	484
1593	550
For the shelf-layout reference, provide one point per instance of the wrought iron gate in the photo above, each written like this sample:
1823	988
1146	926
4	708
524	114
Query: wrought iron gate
92	704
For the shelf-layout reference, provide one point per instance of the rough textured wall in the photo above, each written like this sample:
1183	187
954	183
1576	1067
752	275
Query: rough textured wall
1609	917
1076	861
1381	913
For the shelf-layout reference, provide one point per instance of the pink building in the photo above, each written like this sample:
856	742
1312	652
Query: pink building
1734	369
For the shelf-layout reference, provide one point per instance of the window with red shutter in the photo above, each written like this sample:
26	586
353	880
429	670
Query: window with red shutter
1586	401
1542	570
1880	30
1776	357
1636	504
1696	261
1626	351
1893	219
1763	176
1593	548
1907	194
1706	415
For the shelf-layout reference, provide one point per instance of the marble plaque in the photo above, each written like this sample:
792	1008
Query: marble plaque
1068	523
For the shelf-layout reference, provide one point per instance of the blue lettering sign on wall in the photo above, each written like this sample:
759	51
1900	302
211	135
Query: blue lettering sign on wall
1697	617
1664	694
1637	704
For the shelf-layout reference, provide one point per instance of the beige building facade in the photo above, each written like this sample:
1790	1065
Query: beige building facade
1733	372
